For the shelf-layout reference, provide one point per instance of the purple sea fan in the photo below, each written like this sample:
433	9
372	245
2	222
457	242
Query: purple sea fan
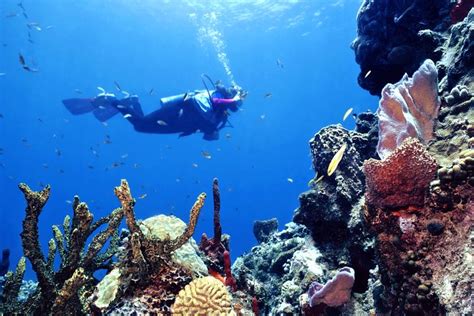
335	292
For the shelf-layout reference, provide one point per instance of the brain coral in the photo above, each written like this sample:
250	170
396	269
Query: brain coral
402	179
203	296
162	227
408	108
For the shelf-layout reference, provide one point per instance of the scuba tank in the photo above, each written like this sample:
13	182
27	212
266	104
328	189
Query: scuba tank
173	100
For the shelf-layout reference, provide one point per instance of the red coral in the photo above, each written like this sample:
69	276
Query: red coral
402	179
461	10
255	308
229	279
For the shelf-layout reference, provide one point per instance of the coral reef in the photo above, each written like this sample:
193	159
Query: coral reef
263	229
335	203
408	108
416	245
395	37
454	131
279	270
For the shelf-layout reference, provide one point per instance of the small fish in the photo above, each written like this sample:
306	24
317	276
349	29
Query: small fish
68	201
144	195
24	65
354	115
127	116
336	160
228	135
290	180
78	91
120	106
206	154
268	95
12	15
45	165
368	74
2	74
21	59
279	63
49	27
61	171
116	164
58	152
124	156
136	166
90	167
107	140
262	117
151	91
180	113
34	25
178	180
346	115
162	123
117	86
195	165
40	120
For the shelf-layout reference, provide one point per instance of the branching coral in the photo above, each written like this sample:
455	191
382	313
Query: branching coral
408	109
147	264
59	291
215	247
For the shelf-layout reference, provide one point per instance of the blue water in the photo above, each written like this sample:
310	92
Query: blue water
159	45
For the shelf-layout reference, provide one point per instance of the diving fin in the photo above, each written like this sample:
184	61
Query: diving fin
102	107
79	106
104	113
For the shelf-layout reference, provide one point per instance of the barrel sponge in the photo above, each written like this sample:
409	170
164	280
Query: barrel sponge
402	179
162	227
202	297
408	108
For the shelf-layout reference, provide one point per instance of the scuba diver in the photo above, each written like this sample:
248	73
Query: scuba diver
205	110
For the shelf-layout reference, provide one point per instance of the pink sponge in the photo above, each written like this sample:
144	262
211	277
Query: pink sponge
408	108
335	292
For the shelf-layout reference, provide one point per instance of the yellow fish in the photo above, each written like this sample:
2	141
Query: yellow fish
336	160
